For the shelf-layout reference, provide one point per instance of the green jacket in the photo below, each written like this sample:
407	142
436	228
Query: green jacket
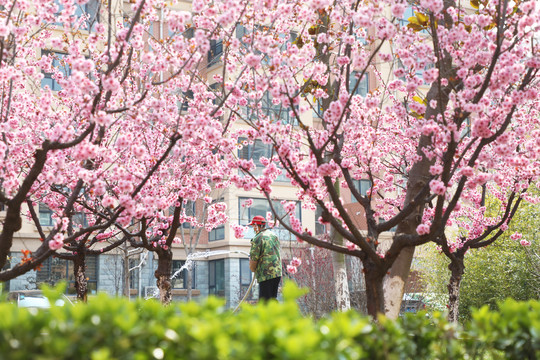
265	251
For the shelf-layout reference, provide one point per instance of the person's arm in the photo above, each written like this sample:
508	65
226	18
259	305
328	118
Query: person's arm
252	265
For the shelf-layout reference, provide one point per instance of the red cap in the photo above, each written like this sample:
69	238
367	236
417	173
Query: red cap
257	220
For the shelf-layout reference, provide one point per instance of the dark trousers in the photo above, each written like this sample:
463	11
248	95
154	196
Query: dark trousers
268	289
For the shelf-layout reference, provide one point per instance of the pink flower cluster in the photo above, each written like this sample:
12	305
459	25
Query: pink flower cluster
57	242
422	229
292	268
239	231
437	187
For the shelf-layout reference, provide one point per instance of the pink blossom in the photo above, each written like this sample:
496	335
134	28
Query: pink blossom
108	202
296	262
437	187
253	60
239	231
524	242
57	242
431	75
292	269
516	236
343	60
110	83
397	10
435	6
422	229
436	169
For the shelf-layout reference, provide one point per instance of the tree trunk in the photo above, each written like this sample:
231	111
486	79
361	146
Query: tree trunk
126	275
341	284
394	286
457	268
189	284
163	276
79	272
374	289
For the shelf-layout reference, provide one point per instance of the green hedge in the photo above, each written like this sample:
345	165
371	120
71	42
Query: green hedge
114	328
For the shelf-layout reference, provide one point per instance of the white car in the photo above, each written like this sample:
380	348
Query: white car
34	299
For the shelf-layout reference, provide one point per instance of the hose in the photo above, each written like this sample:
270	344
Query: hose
245	296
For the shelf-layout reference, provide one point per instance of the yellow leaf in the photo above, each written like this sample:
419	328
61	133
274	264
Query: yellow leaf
422	19
419	100
415	27
412	20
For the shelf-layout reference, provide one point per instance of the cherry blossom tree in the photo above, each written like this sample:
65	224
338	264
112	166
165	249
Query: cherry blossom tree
109	138
451	112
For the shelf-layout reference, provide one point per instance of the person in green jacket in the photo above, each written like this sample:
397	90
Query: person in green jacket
265	259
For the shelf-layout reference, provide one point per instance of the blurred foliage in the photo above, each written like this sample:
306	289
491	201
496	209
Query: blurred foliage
505	269
115	328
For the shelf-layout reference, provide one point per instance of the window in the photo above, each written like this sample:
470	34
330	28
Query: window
186	97
245	277
363	87
180	280
134	274
79	219
261	207
45	215
320	229
276	112
191	210
216	50
362	186
254	151
90	9
58	65
217	233
54	270
216	277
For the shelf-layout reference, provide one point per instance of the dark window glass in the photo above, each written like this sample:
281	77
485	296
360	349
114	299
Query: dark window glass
320	229
216	50
45	215
134	274
245	277
216	277
362	186
180	280
191	210
186	97
79	219
217	233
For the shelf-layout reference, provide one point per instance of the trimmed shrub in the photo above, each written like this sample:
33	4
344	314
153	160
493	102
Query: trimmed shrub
115	328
